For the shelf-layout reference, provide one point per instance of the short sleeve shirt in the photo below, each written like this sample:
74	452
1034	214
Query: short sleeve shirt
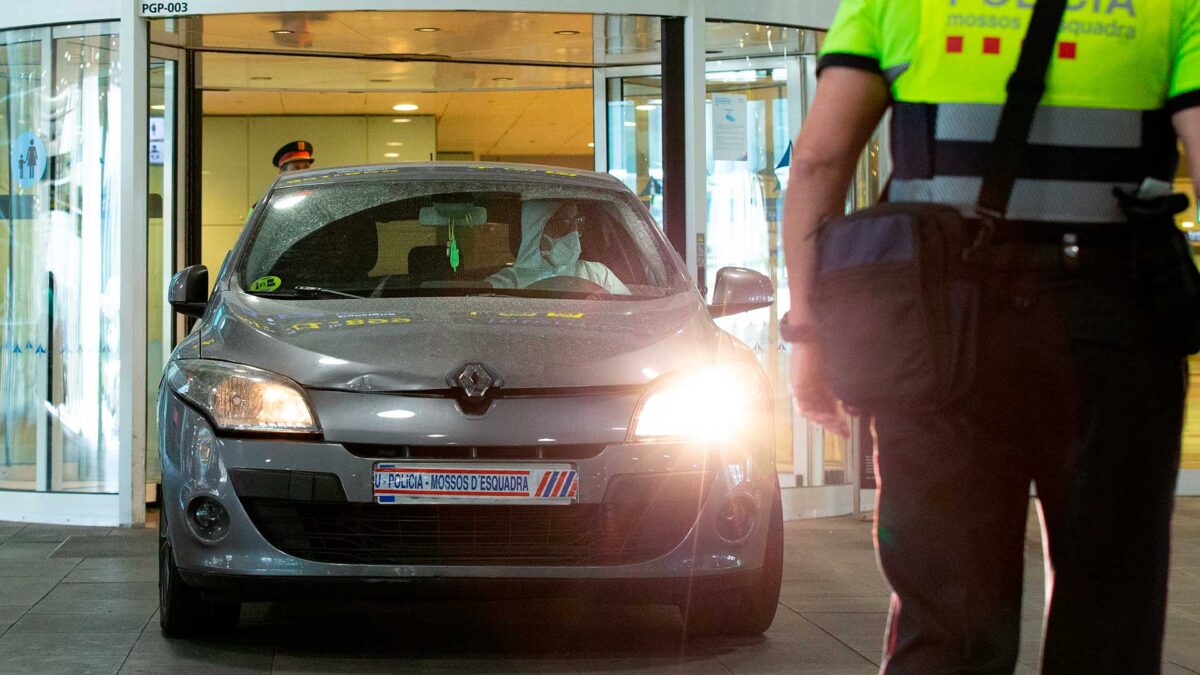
1114	54
1118	70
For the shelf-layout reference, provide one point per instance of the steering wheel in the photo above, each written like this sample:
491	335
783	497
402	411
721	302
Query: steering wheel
566	283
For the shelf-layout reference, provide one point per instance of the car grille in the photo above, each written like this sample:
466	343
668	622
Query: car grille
557	453
611	533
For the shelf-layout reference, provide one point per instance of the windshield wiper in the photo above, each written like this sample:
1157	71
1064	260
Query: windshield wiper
317	290
308	292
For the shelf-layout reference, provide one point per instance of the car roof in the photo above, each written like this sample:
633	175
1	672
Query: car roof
497	171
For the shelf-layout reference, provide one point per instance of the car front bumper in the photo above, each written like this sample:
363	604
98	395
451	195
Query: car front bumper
248	562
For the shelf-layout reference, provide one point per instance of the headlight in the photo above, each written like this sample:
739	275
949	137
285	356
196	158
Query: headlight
715	403
242	398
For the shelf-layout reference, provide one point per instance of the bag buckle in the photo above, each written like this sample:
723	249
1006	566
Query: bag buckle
983	238
1070	251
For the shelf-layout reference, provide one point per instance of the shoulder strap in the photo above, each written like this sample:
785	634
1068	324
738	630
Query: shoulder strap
1025	89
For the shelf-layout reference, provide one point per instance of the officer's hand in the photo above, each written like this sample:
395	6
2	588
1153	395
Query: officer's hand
811	391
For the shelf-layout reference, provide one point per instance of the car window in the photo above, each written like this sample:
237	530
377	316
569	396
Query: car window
410	238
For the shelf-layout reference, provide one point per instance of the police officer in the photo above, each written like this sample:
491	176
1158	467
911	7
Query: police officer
295	156
1075	392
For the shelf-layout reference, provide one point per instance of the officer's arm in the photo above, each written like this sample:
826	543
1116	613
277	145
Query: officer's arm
1187	126
848	106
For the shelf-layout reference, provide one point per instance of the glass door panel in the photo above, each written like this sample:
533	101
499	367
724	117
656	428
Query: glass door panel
83	262
749	137
23	320
755	95
59	312
162	226
635	137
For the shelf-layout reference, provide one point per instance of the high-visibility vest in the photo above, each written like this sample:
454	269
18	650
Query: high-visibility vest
1120	69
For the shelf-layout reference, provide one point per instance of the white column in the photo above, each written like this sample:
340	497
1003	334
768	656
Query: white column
134	61
694	123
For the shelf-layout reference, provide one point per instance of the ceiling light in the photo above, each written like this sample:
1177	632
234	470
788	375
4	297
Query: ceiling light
566	32
394	144
159	106
427	29
591	145
282	31
405	107
261	78
631	124
391	155
402	120
645	107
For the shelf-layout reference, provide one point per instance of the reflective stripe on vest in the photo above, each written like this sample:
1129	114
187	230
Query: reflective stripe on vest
1075	158
1055	201
1068	127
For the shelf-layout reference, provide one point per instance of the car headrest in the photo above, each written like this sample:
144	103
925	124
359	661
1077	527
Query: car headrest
429	262
345	251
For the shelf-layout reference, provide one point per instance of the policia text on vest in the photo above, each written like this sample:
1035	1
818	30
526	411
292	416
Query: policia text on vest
1076	389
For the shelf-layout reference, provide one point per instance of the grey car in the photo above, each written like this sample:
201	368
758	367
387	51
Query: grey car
460	380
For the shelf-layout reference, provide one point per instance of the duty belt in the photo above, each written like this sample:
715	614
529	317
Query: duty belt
1036	246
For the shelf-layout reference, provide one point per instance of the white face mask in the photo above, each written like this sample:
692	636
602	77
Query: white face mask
564	250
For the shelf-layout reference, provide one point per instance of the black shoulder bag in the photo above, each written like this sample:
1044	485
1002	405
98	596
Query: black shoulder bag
896	294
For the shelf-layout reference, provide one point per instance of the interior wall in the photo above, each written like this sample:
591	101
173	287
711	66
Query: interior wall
237	153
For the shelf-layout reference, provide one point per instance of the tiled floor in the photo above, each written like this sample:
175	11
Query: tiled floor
84	600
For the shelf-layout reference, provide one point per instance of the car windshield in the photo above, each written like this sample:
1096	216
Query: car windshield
404	238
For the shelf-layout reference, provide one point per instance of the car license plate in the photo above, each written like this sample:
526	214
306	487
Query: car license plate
402	483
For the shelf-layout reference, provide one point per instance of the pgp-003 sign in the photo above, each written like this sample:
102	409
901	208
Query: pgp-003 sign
164	8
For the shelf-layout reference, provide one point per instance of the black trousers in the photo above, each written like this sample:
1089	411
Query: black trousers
1075	397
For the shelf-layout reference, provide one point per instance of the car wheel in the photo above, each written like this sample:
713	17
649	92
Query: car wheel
748	611
182	610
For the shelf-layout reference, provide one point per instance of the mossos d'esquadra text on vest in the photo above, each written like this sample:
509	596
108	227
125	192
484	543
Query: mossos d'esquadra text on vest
1084	17
1093	6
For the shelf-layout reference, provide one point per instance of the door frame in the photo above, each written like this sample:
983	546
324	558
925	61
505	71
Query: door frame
175	239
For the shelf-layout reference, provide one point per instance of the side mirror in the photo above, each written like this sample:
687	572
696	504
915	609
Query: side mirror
740	290
188	293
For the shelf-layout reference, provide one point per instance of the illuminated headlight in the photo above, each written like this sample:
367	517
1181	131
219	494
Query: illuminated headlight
242	398
715	403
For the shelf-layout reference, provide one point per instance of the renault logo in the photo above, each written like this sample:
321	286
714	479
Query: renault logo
475	380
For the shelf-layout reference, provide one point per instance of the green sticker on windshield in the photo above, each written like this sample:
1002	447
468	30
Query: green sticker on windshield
266	284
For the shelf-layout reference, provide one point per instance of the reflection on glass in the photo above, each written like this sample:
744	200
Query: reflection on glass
630	39
635	138
1189	221
60	370
22	266
749	126
749	135
160	244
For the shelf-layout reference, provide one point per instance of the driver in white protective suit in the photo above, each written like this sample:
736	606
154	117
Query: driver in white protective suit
550	247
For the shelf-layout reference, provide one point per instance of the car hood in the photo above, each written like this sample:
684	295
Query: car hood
414	344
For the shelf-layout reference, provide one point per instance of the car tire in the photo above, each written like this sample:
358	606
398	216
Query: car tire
183	611
750	610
